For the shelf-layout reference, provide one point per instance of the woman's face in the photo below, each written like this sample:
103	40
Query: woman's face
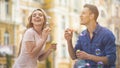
37	18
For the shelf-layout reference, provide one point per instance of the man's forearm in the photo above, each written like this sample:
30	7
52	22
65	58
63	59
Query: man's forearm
94	58
71	50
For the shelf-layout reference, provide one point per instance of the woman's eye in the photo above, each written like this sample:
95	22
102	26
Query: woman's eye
34	15
40	15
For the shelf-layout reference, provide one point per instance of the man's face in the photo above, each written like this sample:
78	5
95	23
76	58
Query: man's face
85	16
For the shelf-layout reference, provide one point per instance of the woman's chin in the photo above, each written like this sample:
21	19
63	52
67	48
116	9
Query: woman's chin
38	24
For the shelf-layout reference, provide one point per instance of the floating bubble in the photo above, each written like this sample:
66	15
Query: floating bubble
98	51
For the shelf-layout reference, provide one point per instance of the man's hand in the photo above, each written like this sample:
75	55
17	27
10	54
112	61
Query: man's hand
68	34
82	55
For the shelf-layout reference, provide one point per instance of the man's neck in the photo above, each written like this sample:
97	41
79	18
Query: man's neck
91	27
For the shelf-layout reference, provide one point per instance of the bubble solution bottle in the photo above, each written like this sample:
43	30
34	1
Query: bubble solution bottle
100	64
87	65
80	63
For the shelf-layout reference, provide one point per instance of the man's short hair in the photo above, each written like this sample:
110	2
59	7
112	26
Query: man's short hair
93	9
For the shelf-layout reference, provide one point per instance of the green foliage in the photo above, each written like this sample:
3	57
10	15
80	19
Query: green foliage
8	59
48	64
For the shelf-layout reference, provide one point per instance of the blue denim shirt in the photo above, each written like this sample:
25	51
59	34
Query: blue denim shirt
104	40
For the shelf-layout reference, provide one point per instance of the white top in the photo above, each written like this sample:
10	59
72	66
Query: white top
24	60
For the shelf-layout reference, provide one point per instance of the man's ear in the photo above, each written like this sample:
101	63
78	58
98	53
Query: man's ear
92	16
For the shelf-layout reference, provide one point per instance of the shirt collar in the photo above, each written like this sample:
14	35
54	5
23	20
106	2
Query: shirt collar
98	27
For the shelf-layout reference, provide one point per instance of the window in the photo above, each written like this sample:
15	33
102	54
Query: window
118	1
76	4
6	38
102	13
40	1
7	6
63	22
116	11
63	51
62	2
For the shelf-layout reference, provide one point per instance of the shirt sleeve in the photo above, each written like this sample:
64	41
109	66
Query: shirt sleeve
78	45
110	48
29	35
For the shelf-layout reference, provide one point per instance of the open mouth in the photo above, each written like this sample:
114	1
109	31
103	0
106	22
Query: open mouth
38	20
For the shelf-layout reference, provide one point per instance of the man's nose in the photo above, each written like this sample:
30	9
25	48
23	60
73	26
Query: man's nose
80	15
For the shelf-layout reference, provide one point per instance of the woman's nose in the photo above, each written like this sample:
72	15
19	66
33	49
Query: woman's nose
37	16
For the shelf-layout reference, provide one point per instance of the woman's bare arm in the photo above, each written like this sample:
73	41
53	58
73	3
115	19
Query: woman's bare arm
33	49
45	54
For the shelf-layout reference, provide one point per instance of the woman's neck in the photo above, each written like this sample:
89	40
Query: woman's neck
38	29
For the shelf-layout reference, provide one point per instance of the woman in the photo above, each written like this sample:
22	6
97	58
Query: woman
33	42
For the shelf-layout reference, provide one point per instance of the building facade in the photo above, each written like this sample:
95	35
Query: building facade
7	31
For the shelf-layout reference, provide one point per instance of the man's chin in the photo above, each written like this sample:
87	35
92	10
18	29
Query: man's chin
82	23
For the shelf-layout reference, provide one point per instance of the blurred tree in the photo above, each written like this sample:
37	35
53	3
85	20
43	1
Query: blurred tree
8	59
48	64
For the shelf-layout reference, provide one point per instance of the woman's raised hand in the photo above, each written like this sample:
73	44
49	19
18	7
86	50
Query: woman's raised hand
45	33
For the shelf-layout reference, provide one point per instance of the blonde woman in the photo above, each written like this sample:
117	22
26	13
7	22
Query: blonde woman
33	42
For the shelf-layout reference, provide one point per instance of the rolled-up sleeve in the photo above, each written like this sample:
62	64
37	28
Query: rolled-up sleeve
110	48
77	45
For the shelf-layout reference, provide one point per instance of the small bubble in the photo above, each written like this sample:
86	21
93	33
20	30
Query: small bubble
98	51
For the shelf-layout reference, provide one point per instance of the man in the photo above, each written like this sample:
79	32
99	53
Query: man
94	38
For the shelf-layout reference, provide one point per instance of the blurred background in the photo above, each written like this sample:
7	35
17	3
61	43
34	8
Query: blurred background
61	15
